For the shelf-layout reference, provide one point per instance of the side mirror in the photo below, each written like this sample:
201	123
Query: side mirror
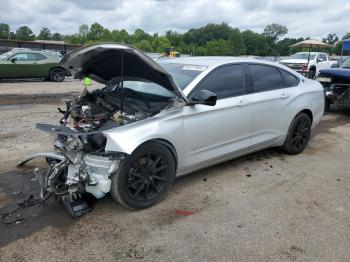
205	97
319	60
13	60
335	65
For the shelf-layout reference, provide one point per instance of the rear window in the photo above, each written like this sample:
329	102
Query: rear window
183	74
265	77
39	57
289	80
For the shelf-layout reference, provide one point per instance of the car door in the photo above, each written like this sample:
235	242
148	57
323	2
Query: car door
270	103
322	62
20	66
42	65
214	133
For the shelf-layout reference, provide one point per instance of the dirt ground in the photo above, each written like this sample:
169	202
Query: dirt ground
267	206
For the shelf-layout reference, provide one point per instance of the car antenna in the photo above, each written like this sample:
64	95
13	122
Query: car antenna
122	85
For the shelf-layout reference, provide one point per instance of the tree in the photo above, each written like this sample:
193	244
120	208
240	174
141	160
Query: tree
57	37
4	31
139	35
236	40
83	30
331	39
24	33
338	47
144	45
258	44
219	47
96	32
44	34
207	33
275	31
283	46
174	38
159	43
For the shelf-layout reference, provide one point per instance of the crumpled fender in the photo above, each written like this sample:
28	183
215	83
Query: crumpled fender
53	155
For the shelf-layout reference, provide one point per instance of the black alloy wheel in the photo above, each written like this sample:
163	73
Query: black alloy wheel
298	135
144	177
57	74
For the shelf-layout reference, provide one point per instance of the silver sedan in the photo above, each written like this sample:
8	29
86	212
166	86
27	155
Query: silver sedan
154	120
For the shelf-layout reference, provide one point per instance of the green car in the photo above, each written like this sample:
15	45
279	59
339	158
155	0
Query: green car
23	63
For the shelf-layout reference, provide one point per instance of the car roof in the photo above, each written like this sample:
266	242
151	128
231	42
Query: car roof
211	60
214	61
23	50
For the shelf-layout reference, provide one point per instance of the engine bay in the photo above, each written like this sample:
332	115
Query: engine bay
109	107
80	163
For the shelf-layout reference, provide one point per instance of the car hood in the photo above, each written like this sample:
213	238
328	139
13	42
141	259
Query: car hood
336	72
294	61
103	62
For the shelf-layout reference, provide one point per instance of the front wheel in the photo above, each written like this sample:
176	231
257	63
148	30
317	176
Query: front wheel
57	74
144	177
298	135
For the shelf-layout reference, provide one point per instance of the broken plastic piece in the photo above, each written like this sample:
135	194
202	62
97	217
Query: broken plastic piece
76	207
184	212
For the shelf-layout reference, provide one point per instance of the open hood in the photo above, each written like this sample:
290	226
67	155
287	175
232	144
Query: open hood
103	62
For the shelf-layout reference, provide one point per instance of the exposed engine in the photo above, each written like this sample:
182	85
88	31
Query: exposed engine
80	163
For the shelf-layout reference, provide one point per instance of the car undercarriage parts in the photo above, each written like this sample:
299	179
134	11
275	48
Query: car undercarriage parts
76	207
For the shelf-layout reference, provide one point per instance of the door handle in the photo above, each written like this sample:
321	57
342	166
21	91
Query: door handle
243	103
285	95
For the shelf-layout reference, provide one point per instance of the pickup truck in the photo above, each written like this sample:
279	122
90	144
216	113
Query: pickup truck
308	66
336	84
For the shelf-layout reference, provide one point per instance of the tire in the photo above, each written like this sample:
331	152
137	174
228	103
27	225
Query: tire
57	74
312	73
144	177
298	134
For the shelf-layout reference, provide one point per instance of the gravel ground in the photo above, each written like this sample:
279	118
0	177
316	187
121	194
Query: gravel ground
263	207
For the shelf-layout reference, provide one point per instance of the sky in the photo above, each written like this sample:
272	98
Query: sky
313	18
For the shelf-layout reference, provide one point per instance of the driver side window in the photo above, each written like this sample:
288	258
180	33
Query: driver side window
24	57
226	81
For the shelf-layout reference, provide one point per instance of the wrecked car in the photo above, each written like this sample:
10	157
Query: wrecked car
336	83
155	121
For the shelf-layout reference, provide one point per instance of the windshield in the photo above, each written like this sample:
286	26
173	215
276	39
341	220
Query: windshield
148	88
346	63
4	56
303	55
140	86
183	74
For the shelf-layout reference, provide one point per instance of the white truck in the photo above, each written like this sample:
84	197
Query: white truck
308	64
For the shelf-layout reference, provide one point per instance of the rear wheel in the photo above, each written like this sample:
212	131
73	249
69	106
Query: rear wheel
298	134
57	74
145	177
312	73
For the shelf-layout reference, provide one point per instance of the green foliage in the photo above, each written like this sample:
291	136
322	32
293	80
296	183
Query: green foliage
4	31
338	47
258	44
24	33
275	31
212	39
331	39
44	34
57	37
159	43
144	45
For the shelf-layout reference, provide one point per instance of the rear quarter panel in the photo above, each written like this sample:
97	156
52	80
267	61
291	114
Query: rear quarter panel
307	96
